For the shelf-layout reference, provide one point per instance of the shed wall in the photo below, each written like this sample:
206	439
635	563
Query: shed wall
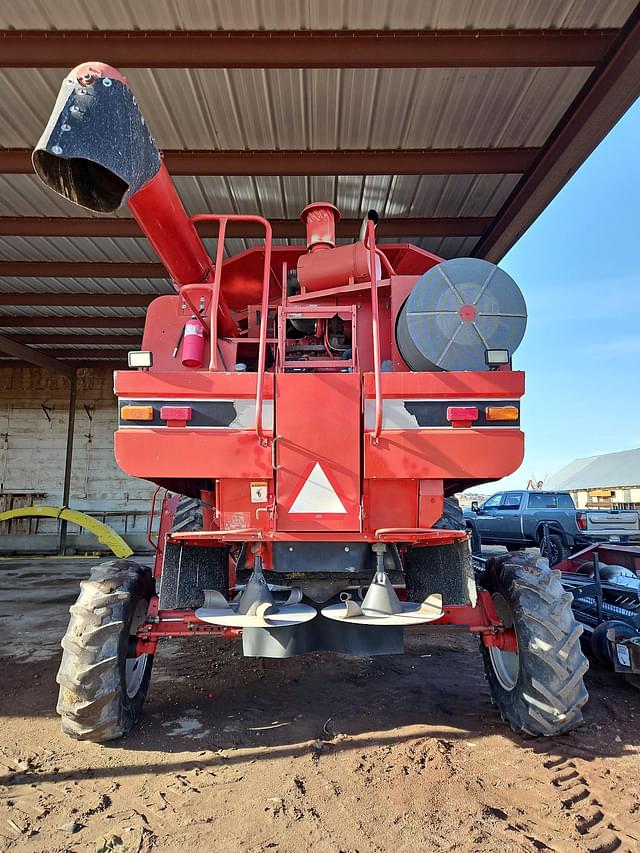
34	408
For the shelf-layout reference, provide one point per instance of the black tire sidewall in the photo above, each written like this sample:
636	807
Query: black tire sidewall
509	701
526	587
559	550
140	588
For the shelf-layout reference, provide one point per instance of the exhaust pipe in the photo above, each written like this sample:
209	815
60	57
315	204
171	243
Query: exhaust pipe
97	151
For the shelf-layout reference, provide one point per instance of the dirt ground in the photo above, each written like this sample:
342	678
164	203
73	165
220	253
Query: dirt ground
323	753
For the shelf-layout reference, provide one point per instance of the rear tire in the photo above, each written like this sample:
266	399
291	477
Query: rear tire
452	517
188	515
539	690
102	685
559	550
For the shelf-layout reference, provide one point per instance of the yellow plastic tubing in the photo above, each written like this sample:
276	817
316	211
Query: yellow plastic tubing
104	534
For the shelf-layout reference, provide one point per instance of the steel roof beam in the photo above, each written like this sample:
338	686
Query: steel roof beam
602	101
70	322
306	49
417	161
59	226
34	357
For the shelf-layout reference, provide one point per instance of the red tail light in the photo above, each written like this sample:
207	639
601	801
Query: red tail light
581	520
462	416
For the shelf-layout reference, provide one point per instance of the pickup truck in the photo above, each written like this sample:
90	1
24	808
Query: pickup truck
517	519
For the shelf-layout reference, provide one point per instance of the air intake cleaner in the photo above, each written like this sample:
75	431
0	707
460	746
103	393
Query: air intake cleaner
457	311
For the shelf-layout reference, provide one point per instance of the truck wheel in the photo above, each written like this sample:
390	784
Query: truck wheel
539	689
476	542
559	550
102	684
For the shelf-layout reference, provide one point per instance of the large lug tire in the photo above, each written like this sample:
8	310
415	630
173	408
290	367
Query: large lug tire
102	685
452	517
559	551
188	515
539	690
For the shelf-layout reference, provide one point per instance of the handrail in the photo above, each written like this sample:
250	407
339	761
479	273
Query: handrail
375	326
264	307
152	513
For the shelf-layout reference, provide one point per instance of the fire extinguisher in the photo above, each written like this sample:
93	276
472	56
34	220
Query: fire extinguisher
193	343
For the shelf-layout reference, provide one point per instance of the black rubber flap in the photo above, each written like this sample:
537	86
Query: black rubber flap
96	149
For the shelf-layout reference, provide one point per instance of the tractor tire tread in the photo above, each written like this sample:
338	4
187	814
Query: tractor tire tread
92	699
551	660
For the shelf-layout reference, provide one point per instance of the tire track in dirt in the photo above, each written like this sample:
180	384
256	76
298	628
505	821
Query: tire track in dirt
601	829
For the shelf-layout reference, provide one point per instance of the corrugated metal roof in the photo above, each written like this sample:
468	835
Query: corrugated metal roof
84	285
295	109
610	470
76	249
324	108
391	195
62	312
311	14
63	330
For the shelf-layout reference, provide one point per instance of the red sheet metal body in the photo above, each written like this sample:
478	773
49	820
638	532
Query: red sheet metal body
316	470
318	451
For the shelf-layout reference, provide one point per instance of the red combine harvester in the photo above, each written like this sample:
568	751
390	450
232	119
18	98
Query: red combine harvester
311	411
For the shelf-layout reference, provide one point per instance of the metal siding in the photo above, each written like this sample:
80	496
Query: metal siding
302	14
293	108
312	109
76	249
82	285
36	447
62	311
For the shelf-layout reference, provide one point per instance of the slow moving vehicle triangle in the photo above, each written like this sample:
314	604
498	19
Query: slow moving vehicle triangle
317	495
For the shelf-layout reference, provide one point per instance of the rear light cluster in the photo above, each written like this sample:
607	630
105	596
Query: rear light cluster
502	413
136	413
581	520
173	415
461	416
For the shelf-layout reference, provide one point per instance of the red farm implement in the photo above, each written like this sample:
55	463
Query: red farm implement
311	412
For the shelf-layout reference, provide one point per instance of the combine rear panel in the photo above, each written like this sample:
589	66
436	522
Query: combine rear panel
310	412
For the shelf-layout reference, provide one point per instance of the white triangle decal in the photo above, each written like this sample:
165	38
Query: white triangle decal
317	495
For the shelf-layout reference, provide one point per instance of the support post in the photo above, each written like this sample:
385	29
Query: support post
66	487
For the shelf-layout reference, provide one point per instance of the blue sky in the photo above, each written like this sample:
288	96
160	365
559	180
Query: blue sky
579	269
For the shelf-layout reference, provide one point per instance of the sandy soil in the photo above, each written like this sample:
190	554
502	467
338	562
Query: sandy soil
323	753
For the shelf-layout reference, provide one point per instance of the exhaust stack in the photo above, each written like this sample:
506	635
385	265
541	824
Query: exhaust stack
97	151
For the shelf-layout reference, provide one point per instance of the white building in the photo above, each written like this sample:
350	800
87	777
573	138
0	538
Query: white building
610	480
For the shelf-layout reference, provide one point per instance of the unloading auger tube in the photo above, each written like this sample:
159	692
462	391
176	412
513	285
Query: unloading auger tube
312	460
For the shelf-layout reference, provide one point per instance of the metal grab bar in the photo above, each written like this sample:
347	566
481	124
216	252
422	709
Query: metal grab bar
264	307
370	243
